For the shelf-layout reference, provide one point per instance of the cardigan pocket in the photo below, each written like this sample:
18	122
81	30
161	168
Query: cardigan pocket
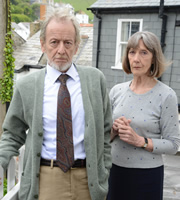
24	188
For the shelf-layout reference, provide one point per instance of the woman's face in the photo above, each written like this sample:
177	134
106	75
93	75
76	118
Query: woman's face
140	60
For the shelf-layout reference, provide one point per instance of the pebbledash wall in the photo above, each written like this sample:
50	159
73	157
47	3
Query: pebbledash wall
106	16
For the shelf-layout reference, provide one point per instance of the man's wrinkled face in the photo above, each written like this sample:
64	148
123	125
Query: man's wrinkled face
60	45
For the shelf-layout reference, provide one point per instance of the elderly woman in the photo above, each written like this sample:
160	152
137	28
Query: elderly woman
145	116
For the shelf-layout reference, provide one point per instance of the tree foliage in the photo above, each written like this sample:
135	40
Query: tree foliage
16	2
23	11
20	18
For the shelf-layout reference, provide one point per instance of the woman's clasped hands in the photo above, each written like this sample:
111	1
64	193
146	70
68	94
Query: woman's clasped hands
122	128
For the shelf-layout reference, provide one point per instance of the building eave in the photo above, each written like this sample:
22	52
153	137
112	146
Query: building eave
134	10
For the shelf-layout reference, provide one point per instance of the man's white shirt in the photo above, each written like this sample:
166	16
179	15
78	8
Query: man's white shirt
51	87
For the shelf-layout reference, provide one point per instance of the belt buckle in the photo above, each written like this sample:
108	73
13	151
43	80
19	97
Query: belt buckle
73	167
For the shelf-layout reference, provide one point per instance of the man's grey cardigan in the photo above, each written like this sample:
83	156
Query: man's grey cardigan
25	113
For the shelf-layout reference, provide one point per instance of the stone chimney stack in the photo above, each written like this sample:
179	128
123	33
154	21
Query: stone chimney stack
34	28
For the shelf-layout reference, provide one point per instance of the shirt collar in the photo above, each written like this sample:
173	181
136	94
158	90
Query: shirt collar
53	74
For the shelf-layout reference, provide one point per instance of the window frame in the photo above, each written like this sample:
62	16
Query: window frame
118	64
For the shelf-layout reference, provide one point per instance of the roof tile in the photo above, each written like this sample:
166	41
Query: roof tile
131	3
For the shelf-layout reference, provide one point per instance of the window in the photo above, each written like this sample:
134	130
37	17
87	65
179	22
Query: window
125	28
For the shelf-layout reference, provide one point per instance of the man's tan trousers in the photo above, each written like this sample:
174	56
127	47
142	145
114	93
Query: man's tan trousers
57	185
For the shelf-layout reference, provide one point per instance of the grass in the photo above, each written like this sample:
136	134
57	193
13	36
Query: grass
80	5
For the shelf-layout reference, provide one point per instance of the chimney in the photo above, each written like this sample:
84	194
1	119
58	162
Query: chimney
42	11
34	28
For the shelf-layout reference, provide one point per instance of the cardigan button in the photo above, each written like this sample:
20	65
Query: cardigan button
36	196
40	134
38	154
37	175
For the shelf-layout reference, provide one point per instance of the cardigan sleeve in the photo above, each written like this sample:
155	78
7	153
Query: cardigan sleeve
14	130
107	127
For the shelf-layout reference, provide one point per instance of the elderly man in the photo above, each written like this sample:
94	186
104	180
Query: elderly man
66	110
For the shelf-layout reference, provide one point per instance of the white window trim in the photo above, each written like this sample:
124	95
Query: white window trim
118	64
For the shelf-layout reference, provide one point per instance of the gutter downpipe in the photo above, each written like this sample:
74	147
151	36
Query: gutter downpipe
95	12
164	25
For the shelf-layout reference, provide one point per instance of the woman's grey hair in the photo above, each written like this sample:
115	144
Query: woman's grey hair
60	13
152	43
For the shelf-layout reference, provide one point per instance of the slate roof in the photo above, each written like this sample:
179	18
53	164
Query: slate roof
132	3
15	26
29	52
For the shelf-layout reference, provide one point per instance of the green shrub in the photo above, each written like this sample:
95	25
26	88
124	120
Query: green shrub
5	187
